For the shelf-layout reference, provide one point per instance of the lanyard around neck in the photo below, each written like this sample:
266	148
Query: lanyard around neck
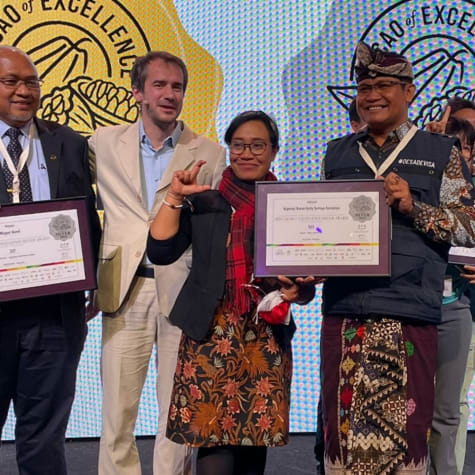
393	155
15	171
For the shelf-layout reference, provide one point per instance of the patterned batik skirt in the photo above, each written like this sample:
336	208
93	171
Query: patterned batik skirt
377	395
233	388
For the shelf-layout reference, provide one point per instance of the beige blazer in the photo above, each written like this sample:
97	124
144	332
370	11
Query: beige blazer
115	165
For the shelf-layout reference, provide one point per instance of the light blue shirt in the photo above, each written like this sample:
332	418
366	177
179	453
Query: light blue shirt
155	162
36	161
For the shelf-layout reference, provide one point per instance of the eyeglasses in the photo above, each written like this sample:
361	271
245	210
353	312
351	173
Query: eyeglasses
256	148
14	83
380	87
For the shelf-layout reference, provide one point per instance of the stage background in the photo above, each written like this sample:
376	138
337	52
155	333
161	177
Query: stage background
292	59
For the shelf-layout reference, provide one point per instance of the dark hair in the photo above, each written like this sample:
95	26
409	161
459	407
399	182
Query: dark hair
353	113
457	103
247	116
463	127
139	69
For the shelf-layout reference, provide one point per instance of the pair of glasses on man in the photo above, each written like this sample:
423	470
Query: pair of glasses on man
15	83
256	148
380	87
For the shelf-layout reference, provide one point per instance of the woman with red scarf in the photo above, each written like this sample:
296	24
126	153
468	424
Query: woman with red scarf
231	395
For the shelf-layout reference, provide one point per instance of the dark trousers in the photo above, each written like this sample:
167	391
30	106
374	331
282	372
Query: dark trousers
37	373
319	448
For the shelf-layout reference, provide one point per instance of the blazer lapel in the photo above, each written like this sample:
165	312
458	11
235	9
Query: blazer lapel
51	144
129	156
4	198
183	157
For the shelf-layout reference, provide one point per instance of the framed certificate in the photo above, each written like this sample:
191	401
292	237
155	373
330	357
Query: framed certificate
45	249
462	255
322	228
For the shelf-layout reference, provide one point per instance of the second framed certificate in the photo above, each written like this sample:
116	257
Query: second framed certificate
324	228
462	255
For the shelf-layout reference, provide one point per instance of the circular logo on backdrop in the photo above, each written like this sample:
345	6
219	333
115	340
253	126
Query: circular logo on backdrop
438	38
84	50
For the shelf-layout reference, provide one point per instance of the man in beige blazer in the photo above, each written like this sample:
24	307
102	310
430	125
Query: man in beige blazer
133	166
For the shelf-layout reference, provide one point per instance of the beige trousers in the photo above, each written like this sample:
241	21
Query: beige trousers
128	337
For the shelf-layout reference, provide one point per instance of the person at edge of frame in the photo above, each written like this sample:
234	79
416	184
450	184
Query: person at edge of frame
41	338
379	335
448	438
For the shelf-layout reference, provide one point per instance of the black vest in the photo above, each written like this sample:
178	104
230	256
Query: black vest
414	290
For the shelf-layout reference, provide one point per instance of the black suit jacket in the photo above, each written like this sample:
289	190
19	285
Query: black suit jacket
66	155
207	228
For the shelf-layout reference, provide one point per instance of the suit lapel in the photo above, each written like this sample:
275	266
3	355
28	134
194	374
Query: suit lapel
129	156
4	198
51	144
183	157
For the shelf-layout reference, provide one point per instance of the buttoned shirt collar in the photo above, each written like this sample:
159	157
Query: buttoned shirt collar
170	141
394	137
25	129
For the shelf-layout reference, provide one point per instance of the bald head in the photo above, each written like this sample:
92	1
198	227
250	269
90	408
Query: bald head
19	95
12	51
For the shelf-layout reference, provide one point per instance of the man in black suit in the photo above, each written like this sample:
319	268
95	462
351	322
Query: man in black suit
40	338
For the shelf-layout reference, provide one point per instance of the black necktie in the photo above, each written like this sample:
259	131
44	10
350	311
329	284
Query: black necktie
14	149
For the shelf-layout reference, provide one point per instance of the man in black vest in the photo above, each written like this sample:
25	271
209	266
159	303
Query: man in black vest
379	335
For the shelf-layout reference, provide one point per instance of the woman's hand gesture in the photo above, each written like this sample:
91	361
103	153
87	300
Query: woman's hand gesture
184	182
